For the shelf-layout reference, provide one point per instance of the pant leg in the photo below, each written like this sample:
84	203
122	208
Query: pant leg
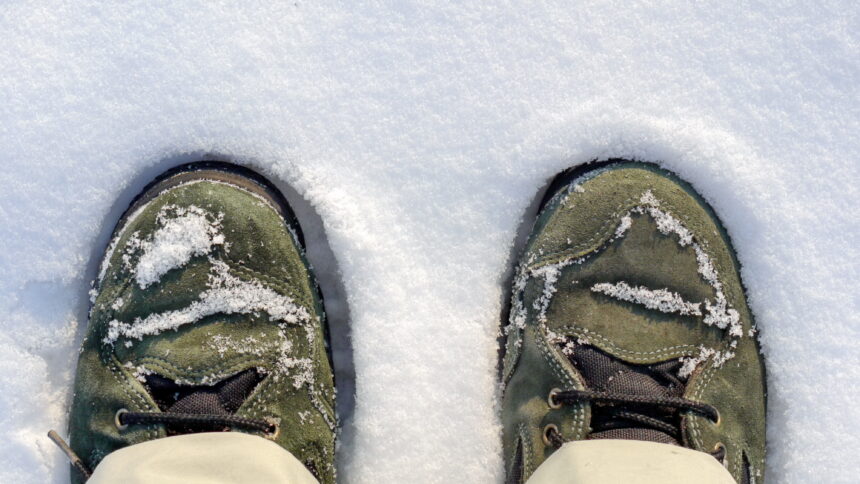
629	462
212	457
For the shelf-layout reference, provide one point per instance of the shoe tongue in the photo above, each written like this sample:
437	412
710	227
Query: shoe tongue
604	373
202	402
650	435
221	398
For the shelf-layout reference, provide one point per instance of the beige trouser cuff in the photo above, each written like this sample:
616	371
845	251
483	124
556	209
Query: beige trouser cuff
233	457
212	457
629	462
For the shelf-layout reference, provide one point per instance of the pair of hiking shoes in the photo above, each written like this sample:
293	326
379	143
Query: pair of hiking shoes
628	320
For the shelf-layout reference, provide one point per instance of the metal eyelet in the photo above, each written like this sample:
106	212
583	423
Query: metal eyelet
721	447
719	419
546	431
276	429
117	421
550	399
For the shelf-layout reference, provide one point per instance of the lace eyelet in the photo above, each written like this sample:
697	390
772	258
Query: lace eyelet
118	421
719	420
721	447
276	429
550	428
551	401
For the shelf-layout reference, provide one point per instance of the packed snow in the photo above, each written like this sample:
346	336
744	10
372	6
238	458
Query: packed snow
415	141
660	299
719	313
226	294
182	232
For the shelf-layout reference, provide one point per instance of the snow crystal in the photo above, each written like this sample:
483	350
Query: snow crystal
226	294
659	299
626	222
569	348
248	345
517	319
689	364
117	304
721	316
719	313
139	372
550	274
666	223
301	370
182	232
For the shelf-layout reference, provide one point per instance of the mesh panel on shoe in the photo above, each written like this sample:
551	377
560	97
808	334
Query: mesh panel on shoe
221	398
605	373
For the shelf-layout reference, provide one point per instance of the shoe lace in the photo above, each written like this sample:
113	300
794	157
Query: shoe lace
124	418
187	409
637	402
572	397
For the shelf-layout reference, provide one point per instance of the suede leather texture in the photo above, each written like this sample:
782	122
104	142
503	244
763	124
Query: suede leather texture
259	247
575	244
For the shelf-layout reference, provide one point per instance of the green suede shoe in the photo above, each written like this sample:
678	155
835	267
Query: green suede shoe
205	317
629	321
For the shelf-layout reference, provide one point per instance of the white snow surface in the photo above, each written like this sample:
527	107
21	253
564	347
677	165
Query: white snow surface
421	136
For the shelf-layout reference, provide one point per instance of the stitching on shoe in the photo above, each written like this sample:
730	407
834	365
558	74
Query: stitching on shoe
707	374
588	246
512	356
133	396
324	408
554	365
667	352
266	392
737	460
269	280
679	350
122	379
571	252
552	358
259	400
703	243
514	351
528	450
222	368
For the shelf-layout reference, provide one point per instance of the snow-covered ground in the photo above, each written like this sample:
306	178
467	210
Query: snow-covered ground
416	138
